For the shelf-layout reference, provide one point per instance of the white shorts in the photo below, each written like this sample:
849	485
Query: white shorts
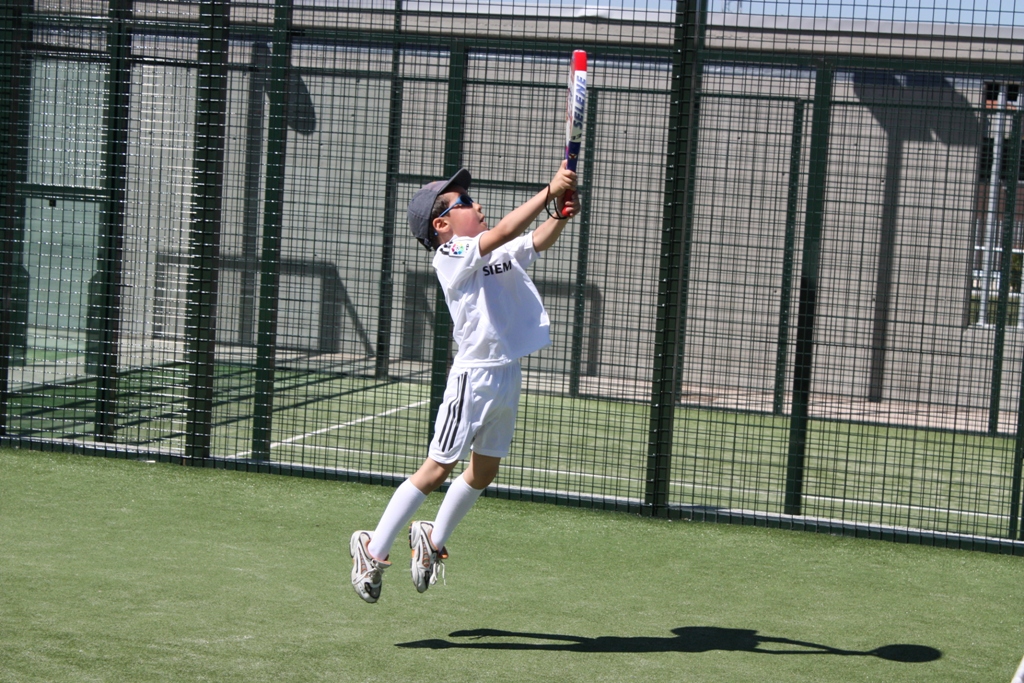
478	413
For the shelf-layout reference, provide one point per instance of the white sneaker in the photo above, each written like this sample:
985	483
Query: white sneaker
426	559
366	571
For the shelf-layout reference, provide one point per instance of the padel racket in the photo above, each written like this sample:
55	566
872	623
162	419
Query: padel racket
575	111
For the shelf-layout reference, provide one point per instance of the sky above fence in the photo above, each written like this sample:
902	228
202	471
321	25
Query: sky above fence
982	12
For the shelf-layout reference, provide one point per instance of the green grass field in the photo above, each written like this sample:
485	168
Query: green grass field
867	473
117	570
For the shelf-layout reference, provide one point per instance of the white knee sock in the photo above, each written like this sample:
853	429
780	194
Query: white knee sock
457	502
404	503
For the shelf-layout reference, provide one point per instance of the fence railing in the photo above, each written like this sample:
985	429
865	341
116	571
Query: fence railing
789	299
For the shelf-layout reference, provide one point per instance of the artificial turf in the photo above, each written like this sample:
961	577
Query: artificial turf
118	570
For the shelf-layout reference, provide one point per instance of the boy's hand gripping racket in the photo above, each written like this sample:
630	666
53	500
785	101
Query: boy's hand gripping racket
576	109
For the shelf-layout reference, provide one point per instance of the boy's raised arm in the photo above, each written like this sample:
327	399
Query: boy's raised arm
550	230
520	218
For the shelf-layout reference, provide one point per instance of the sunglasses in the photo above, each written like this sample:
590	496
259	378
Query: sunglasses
461	200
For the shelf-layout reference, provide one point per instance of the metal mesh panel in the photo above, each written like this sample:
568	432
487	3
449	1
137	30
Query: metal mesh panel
792	296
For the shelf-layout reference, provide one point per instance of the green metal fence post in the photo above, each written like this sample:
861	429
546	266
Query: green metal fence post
1016	511
104	308
674	265
817	173
583	248
789	242
454	128
1002	307
1009	215
273	218
1018	468
14	117
204	232
1015	496
385	302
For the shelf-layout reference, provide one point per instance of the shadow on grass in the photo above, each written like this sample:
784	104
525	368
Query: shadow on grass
685	639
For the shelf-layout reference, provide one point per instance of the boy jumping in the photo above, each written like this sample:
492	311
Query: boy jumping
498	318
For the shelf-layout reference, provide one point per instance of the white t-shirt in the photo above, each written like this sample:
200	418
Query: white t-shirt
497	312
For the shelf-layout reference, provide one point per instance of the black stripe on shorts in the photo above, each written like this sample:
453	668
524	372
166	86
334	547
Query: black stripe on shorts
446	437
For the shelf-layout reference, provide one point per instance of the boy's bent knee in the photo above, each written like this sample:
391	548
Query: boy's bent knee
482	470
431	475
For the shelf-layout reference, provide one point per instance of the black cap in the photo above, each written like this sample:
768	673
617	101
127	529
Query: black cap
422	204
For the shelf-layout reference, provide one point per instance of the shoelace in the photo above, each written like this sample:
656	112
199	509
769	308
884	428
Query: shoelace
438	568
372	567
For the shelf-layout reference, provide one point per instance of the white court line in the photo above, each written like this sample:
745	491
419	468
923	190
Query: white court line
852	501
693	486
588	475
367	418
300	437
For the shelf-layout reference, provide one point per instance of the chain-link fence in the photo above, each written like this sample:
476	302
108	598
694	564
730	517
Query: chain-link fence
792	297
